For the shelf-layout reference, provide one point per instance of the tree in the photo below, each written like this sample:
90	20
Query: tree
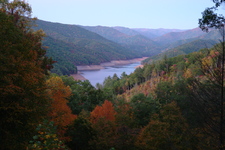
60	113
46	138
84	95
142	108
80	132
166	130
205	94
126	131
103	122
105	111
212	20
105	137
23	68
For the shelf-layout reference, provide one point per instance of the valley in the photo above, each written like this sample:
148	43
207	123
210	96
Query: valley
76	46
134	88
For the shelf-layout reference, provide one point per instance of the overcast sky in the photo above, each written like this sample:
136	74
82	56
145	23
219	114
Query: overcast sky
170	14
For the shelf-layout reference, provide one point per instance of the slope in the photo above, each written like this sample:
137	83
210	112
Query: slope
71	44
183	49
153	33
171	37
128	39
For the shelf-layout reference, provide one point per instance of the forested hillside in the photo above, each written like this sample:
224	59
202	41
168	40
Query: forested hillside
72	45
84	47
175	97
154	33
175	36
183	49
138	43
174	103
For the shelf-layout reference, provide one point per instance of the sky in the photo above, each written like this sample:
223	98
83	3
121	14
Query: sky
152	14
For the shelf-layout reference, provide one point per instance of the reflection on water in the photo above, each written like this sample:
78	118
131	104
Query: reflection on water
98	76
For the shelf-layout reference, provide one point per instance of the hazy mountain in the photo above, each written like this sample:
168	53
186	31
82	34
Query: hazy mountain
176	36
153	33
136	42
71	44
213	34
127	31
187	48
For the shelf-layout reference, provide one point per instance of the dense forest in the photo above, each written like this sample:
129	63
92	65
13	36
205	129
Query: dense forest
75	45
172	103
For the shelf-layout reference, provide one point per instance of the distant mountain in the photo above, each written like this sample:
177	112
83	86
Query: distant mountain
171	37
153	33
72	45
127	31
80	46
184	49
213	34
132	41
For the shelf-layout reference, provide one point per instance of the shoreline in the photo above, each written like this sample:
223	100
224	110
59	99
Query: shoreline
78	76
113	63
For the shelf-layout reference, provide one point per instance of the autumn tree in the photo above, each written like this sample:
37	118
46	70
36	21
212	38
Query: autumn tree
105	137
210	19
103	123
205	95
60	113
46	138
23	65
105	111
166	130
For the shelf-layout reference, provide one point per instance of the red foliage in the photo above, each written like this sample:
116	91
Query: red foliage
60	112
105	111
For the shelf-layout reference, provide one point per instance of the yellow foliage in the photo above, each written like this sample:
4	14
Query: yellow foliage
188	73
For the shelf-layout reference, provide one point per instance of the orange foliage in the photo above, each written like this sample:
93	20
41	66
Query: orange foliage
105	111
60	112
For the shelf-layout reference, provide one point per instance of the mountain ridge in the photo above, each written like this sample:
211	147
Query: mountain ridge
92	45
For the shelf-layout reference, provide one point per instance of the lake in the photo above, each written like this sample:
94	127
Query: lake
98	76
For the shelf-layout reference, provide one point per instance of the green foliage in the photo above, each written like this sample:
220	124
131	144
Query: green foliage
143	107
60	52
168	130
153	111
81	132
71	45
137	44
171	38
84	95
127	130
183	49
105	134
46	138
165	93
210	19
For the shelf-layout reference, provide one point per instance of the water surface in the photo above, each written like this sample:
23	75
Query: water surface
98	76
